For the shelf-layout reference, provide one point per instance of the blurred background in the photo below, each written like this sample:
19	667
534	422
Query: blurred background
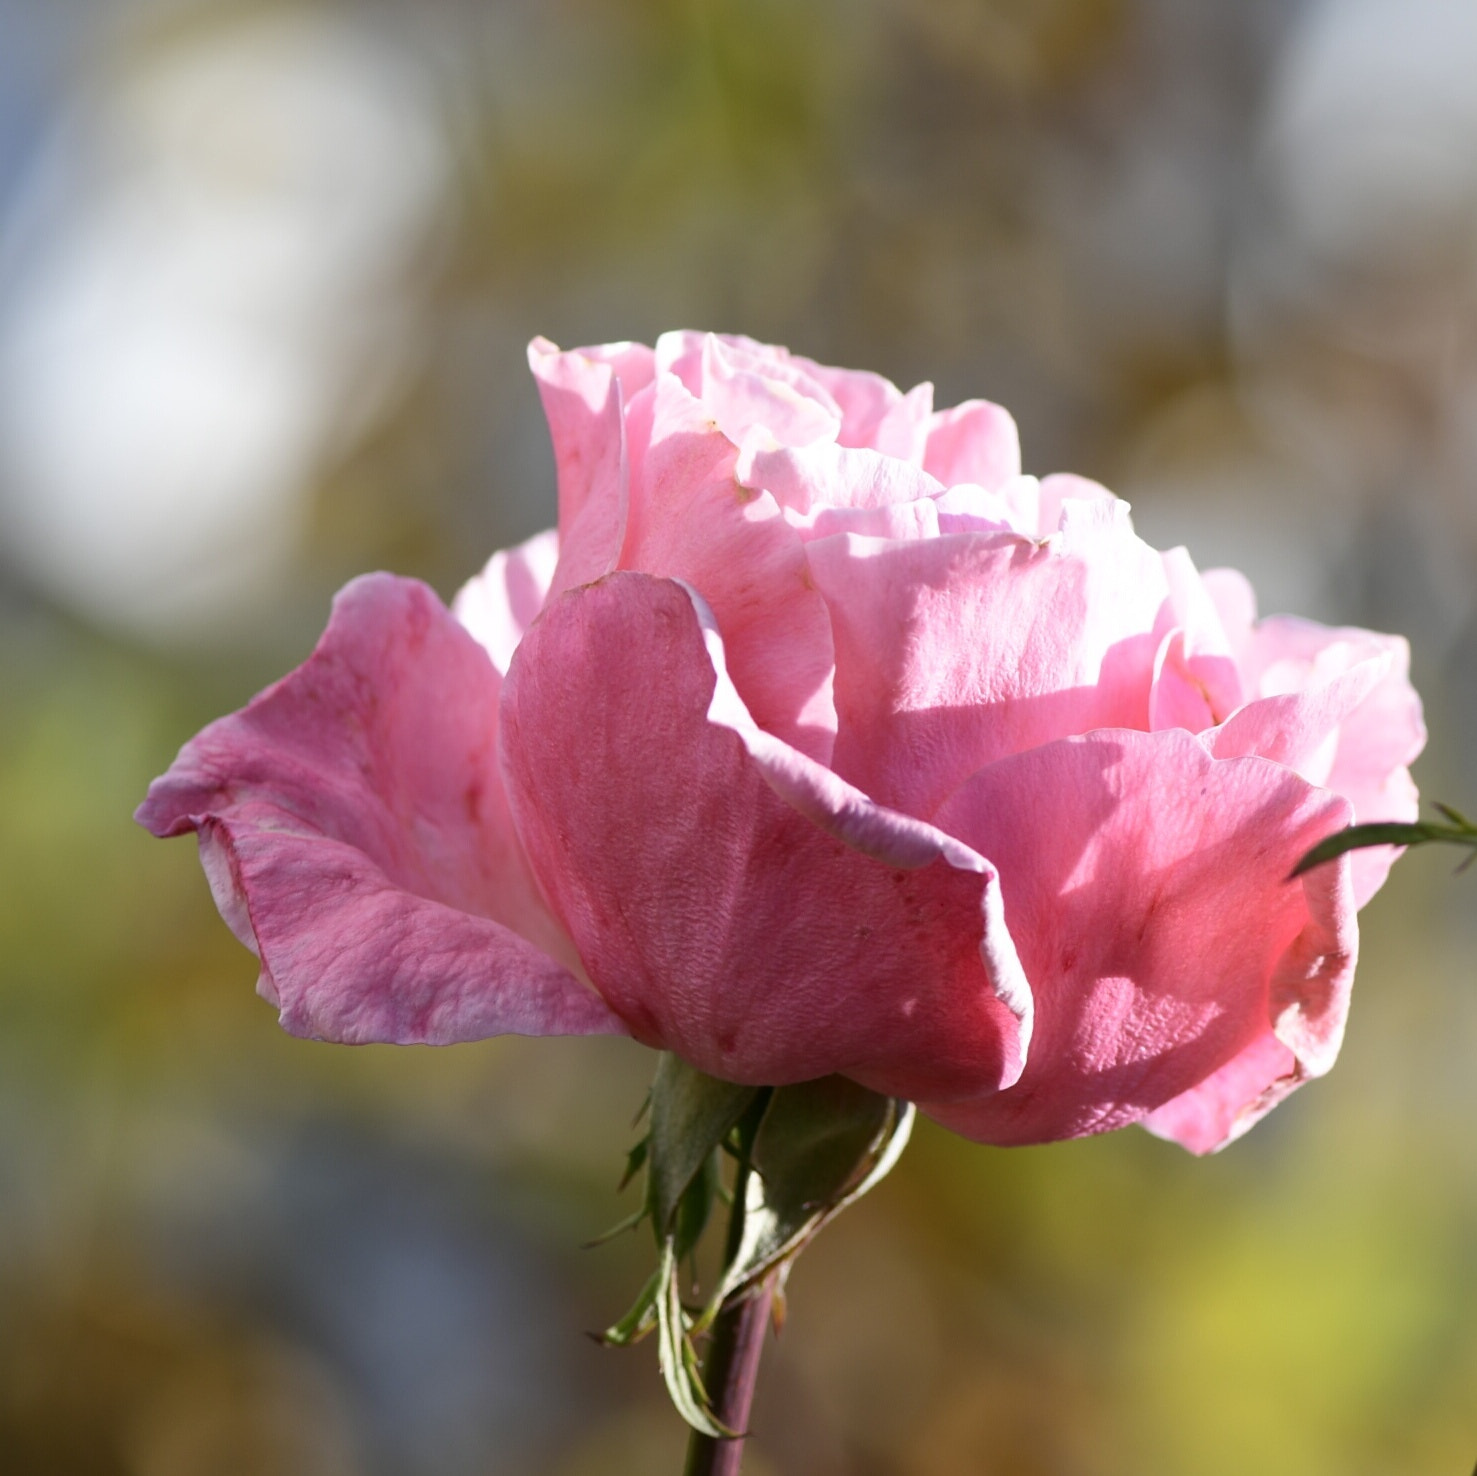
266	276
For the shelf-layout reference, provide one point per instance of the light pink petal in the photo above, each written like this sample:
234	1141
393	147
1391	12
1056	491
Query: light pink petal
974	442
957	651
1145	887
584	404
1234	599
1011	507
355	832
903	430
1301	729
1376	742
1191	691
1064	487
875	414
691	520
1197	682
501	602
825	475
732	900
680	352
909	520
742	393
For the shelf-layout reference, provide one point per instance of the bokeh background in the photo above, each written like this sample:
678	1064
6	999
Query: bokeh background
266	277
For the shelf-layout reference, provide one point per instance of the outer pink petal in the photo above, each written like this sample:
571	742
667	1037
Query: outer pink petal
974	442
1232	1100
957	651
1145	885
734	901
584	403
691	520
355	833
501	602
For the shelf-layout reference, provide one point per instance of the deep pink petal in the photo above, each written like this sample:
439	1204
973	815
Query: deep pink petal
584	404
355	832
974	442
956	651
691	520
501	602
733	900
1145	887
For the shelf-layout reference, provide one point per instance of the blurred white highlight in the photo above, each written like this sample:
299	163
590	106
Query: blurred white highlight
211	282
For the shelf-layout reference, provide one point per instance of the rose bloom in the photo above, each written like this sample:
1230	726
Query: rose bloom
819	739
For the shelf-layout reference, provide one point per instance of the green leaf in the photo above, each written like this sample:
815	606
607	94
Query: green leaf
691	1114
820	1146
1389	833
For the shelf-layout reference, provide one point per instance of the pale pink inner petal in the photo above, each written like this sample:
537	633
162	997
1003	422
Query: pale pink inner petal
501	602
825	475
1061	488
743	394
973	442
583	403
691	520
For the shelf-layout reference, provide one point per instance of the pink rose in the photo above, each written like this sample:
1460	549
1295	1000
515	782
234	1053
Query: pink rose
820	740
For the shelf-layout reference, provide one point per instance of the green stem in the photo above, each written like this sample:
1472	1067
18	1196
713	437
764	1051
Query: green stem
731	1367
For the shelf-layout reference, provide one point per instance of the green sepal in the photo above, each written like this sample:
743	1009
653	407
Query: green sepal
678	1358
619	1228
820	1146
640	1319
635	1162
695	1207
691	1114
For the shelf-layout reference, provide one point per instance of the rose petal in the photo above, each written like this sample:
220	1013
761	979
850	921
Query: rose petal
974	442
1061	488
583	402
875	414
1376	742
501	602
1145	887
734	901
741	392
1231	1100
827	475
690	520
957	651
355	832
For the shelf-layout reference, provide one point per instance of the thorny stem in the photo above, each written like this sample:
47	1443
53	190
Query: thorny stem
731	1367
